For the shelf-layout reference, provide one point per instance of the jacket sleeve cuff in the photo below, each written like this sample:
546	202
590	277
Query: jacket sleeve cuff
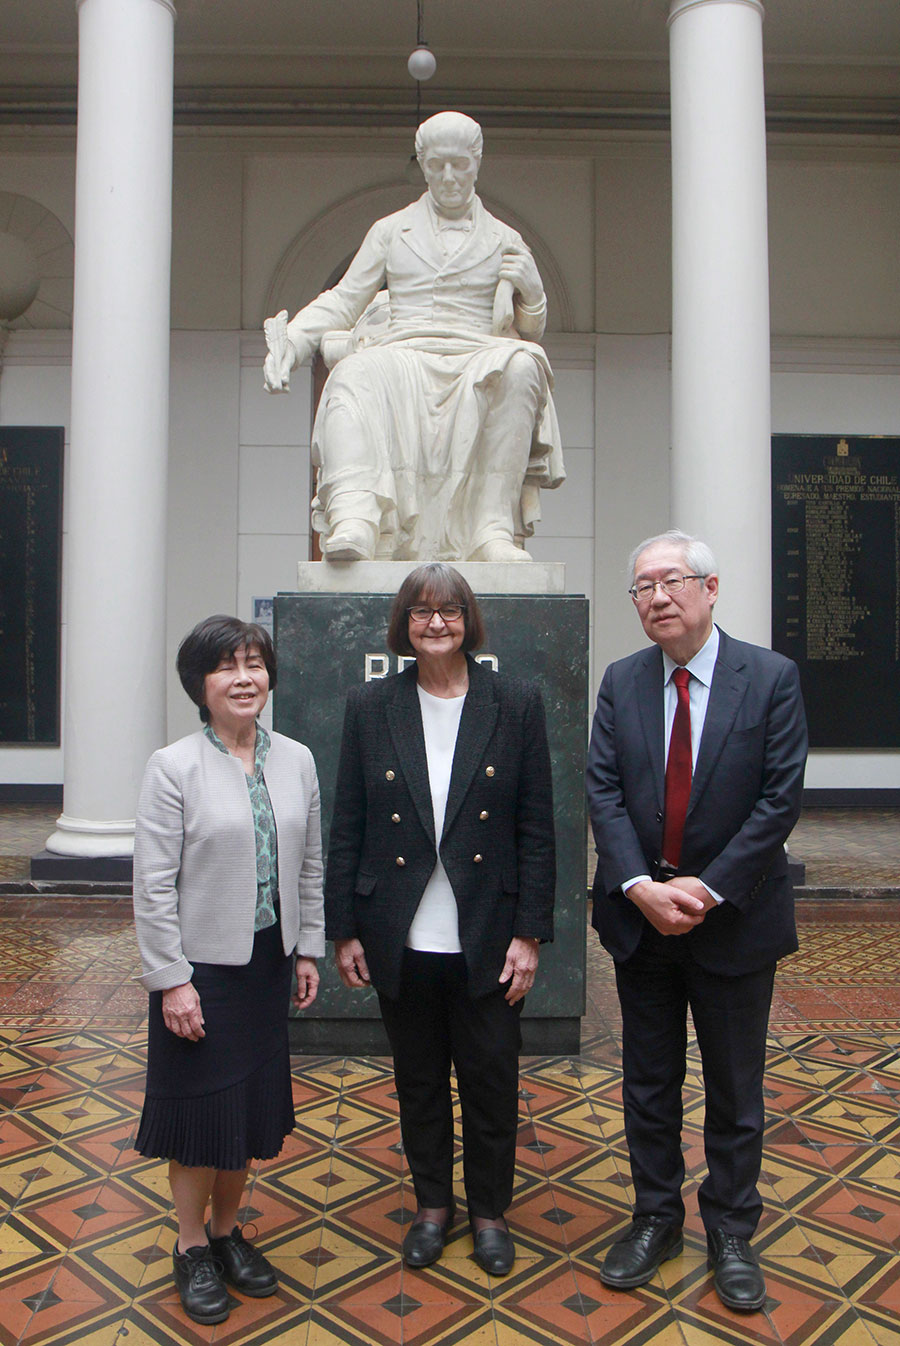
310	946
164	978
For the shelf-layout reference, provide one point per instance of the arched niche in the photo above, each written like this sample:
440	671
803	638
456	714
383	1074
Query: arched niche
52	252
319	250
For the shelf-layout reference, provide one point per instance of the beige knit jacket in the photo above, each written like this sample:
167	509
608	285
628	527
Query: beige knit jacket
195	857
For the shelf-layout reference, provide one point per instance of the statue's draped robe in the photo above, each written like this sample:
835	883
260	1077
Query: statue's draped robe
408	419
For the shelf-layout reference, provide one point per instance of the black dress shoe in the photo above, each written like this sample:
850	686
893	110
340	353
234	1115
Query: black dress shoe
632	1260
244	1266
424	1241
200	1286
494	1250
737	1277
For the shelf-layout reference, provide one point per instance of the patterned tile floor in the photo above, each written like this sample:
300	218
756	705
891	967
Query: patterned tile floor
24	828
86	1228
848	846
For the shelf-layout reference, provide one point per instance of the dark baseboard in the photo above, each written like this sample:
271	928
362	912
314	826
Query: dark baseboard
886	797
84	869
366	1037
32	794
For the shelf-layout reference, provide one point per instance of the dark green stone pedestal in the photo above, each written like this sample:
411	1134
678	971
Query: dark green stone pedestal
330	642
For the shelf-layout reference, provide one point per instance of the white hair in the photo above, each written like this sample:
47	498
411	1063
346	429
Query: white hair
698	556
455	125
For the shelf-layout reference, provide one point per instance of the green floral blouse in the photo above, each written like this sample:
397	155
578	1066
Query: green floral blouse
263	827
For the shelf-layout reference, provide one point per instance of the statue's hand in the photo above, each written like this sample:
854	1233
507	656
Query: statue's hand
518	267
282	354
277	379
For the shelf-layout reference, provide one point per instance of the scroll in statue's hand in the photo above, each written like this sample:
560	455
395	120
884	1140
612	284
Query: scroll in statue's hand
280	358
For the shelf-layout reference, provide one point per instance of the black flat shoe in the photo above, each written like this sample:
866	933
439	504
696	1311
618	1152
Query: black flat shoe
737	1277
633	1260
244	1266
424	1241
494	1250
200	1286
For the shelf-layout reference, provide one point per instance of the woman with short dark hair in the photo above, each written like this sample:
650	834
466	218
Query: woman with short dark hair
227	902
439	890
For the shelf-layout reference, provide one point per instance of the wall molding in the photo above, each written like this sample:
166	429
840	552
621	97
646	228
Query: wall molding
835	355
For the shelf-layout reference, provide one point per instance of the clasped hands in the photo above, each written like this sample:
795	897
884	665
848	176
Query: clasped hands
674	907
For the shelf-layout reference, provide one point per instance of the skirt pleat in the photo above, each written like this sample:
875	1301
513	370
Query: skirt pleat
224	1130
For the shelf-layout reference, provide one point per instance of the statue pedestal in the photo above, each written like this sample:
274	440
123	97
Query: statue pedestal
385	577
334	638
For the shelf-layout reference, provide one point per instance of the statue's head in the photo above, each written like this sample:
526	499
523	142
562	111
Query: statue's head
448	148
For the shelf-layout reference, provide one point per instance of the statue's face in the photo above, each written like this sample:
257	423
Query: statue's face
450	171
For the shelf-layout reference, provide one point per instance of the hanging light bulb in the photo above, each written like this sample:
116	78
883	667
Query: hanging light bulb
421	64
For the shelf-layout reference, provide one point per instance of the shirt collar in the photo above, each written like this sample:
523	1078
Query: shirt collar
444	222
703	664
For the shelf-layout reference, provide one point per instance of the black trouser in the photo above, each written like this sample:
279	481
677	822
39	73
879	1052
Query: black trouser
731	1014
433	1023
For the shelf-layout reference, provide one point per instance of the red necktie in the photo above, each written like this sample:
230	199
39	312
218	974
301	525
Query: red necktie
678	771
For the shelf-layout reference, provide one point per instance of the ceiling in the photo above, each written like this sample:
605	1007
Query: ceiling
528	62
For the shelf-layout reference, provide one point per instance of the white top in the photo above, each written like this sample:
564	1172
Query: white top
435	926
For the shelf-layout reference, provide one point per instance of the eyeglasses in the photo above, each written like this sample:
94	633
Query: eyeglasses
451	612
643	592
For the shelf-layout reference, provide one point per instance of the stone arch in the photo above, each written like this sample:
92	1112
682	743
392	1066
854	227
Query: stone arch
335	234
53	251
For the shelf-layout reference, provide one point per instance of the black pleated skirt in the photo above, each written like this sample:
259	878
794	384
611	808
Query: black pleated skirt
222	1101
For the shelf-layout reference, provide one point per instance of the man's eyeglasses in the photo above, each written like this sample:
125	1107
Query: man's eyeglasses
644	591
451	612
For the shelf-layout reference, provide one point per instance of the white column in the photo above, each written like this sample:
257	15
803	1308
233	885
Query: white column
720	300
115	677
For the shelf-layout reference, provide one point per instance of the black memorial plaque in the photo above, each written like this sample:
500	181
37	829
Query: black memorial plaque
31	461
836	582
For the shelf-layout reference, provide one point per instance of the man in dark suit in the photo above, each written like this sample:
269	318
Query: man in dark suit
694	782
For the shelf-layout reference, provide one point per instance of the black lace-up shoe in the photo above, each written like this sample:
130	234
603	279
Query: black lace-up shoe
243	1265
738	1281
633	1259
200	1286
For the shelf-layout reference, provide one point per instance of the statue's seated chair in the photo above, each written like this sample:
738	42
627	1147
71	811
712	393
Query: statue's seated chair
368	327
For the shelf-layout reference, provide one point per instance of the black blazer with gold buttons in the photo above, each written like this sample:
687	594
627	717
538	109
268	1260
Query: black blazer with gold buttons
498	840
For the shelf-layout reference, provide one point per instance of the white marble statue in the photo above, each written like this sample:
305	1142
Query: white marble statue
435	433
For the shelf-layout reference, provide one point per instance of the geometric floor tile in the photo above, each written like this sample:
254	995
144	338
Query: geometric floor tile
86	1228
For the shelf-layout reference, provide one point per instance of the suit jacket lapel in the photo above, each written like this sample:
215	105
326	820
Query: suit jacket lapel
728	689
404	717
649	696
417	233
476	725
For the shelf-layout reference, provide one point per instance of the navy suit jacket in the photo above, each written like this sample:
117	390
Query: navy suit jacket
745	799
498	840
